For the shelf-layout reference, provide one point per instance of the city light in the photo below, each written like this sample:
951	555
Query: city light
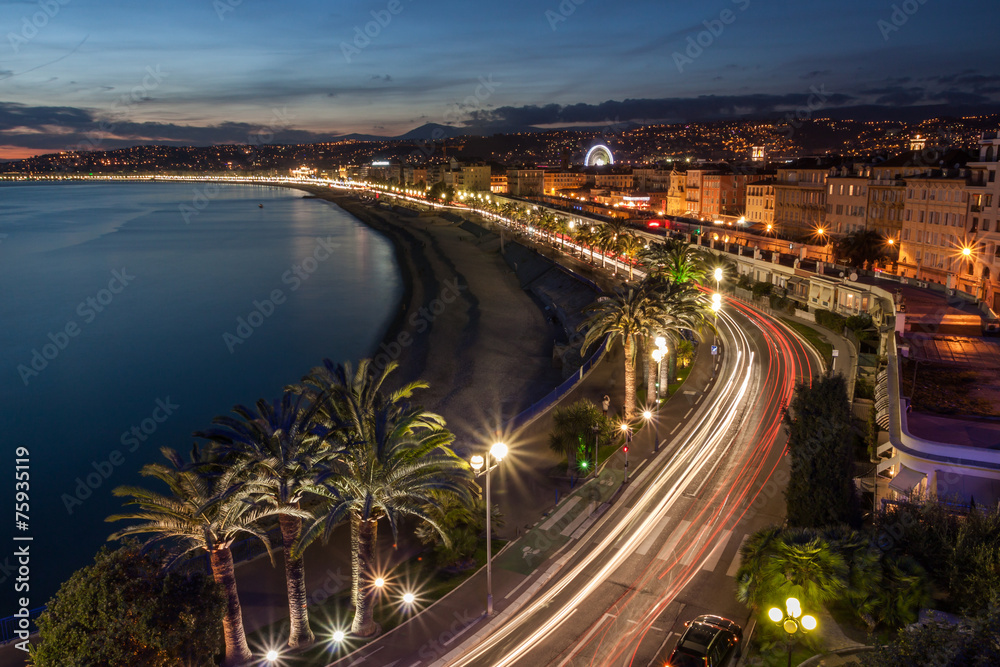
271	656
339	636
409	598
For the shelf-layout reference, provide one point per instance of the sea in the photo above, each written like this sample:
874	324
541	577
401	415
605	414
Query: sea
131	314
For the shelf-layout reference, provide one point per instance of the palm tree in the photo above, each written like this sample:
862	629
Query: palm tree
395	461
573	431
207	509
793	562
629	246
587	236
684	264
280	445
631	314
864	248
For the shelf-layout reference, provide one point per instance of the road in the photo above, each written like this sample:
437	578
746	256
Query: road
667	550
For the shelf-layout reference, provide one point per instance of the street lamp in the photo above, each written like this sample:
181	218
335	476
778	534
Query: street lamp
792	621
658	357
651	418
627	432
497	452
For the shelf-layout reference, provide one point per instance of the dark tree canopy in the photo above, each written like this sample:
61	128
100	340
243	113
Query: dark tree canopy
124	611
821	489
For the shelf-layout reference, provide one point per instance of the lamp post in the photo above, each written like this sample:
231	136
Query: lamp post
627	432
792	621
657	357
497	452
716	305
661	346
718	277
597	430
651	418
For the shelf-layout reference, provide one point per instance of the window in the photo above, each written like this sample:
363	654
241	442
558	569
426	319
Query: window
906	234
920	236
986	225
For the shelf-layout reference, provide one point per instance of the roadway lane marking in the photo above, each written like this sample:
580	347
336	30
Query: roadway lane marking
461	632
652	627
641	463
580	518
720	546
668	548
699	399
627	533
695	545
570	504
584	639
688	412
365	657
654	533
675	428
735	565
516	588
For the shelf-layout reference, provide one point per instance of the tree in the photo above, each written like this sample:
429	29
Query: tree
864	248
587	236
207	509
821	489
462	522
972	642
680	263
629	246
125	610
777	564
573	431
441	192
281	445
396	460
635	314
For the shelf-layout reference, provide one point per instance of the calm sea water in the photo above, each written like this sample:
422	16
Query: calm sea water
123	328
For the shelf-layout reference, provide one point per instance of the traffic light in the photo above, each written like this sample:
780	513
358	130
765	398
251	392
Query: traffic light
625	449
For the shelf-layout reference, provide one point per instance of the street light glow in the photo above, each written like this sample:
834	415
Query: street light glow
809	622
272	655
498	451
774	614
647	415
476	462
379	582
409	598
339	636
718	274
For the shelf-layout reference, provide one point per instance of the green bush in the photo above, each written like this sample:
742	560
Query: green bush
744	282
830	320
858	323
761	289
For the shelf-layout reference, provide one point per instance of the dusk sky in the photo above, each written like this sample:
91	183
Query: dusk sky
197	72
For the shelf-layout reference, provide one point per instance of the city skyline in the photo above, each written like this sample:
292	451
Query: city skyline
102	76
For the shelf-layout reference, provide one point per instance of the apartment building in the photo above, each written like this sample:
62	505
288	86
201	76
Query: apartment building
800	197
934	227
760	204
525	182
676	199
984	213
554	181
651	179
614	179
846	201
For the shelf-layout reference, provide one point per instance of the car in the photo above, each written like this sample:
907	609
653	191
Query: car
708	641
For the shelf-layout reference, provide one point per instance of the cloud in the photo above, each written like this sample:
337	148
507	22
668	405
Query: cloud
816	73
70	128
705	107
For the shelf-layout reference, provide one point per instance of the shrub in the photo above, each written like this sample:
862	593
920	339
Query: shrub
831	321
761	289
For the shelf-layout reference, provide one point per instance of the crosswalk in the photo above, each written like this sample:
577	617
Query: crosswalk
687	546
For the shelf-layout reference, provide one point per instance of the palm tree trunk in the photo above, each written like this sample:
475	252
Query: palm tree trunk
364	533
237	651
300	633
650	373
629	380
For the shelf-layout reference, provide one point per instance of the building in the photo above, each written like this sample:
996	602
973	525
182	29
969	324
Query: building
676	198
800	197
651	179
692	192
846	201
614	179
471	177
498	183
760	203
525	182
556	181
984	213
934	228
723	194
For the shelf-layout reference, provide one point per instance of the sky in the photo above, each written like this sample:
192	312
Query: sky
101	74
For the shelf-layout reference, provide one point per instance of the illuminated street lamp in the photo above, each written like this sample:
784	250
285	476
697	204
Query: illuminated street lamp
627	433
651	418
792	621
497	452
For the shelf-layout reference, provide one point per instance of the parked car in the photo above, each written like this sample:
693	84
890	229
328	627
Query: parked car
708	641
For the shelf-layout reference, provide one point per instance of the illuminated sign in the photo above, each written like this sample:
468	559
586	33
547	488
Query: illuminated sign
380	163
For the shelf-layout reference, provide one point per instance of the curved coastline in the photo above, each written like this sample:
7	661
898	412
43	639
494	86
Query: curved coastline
485	359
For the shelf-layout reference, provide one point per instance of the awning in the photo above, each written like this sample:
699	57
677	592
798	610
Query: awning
906	479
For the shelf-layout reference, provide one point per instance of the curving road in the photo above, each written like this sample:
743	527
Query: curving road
666	551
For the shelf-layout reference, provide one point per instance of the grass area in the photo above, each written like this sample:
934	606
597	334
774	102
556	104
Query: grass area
429	582
682	375
825	349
